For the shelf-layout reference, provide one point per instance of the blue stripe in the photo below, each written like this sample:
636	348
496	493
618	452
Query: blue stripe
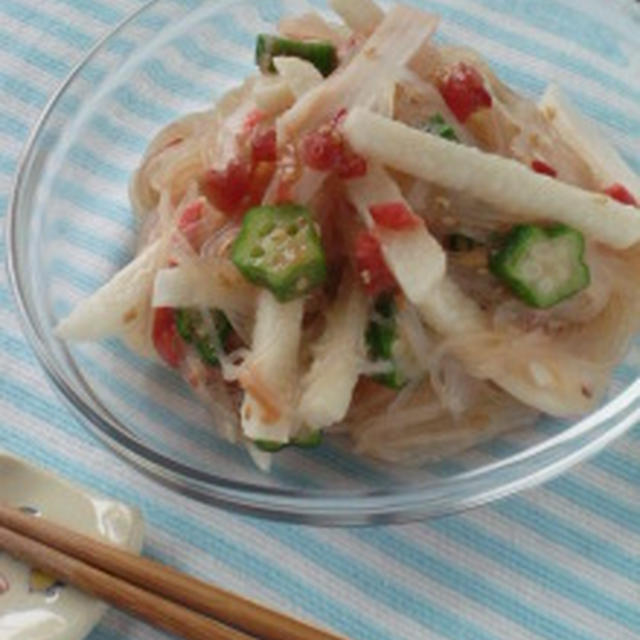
48	24
225	23
619	465
98	165
29	94
83	238
7	164
75	275
89	200
22	90
595	500
176	83
143	107
124	136
192	52
102	632
120	45
13	127
513	40
253	564
632	161
151	21
33	55
6	301
119	134
60	30
97	10
191	4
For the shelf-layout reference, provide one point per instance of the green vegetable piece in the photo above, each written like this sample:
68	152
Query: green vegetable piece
309	440
322	55
194	330
459	243
380	337
438	126
381	333
542	266
279	248
270	446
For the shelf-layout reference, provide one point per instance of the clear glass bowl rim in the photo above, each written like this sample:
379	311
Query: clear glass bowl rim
521	471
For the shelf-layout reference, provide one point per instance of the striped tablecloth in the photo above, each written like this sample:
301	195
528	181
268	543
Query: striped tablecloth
560	563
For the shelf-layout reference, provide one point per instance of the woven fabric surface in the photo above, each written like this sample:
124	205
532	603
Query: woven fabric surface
561	562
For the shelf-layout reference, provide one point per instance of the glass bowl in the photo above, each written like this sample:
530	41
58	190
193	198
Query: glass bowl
70	227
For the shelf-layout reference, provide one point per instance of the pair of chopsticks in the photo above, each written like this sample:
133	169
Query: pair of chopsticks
158	594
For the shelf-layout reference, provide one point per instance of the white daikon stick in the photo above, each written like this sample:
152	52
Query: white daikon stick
337	355
301	76
414	256
381	61
272	95
201	284
586	139
361	16
270	378
500	182
119	302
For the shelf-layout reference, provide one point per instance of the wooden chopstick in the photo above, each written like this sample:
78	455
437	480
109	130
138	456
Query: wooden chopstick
161	613
162	596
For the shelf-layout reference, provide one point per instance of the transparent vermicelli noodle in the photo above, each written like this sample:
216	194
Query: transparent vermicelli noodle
374	236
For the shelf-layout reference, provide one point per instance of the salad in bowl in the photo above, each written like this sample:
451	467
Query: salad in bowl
374	235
